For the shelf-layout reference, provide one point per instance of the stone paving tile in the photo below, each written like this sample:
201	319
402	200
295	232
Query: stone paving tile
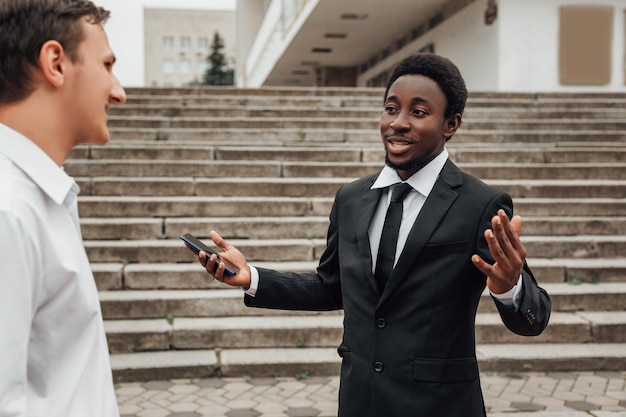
527	406
599	394
302	412
581	405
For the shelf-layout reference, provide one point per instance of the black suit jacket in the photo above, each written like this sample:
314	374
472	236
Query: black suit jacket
409	351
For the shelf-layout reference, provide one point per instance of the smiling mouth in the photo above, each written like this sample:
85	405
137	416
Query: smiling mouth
397	141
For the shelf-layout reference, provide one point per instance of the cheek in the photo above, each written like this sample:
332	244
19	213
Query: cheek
385	120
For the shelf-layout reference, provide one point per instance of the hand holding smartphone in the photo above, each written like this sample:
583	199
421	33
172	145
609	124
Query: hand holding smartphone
195	245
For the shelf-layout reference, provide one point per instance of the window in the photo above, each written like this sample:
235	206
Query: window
168	43
168	66
185	43
202	67
185	66
203	44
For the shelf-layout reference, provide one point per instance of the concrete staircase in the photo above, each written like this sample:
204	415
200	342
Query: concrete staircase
261	167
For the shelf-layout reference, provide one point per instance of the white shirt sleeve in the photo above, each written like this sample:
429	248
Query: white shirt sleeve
254	282
18	289
511	298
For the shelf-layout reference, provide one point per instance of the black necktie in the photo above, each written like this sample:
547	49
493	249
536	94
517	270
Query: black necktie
389	239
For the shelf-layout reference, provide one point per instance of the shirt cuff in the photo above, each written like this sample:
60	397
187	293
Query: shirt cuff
512	297
254	282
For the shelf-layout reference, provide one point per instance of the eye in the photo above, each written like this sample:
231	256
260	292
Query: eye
419	112
390	109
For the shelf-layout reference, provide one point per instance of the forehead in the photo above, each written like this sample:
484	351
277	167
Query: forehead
95	40
411	87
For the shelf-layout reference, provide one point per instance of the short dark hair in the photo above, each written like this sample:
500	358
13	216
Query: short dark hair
439	69
25	25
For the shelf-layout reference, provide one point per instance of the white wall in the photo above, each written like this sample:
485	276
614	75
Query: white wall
465	39
529	45
472	46
125	31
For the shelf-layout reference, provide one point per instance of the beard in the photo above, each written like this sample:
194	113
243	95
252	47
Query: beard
409	165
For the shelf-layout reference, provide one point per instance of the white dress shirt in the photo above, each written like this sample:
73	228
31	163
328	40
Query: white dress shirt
422	183
54	359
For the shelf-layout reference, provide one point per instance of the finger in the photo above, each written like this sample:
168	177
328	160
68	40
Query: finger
219	240
494	246
516	225
506	235
482	266
202	258
210	265
512	228
219	272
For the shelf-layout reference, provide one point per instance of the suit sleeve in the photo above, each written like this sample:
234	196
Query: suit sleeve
533	313
319	291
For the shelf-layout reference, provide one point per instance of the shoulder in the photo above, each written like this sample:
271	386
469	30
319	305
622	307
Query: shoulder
358	186
20	198
455	177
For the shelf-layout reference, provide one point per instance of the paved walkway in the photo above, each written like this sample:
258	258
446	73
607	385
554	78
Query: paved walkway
578	394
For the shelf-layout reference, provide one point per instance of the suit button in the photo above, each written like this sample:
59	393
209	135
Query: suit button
378	366
380	323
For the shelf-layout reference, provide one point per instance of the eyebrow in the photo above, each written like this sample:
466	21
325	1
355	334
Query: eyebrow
414	100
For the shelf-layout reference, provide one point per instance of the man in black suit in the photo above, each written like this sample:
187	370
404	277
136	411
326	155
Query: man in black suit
408	347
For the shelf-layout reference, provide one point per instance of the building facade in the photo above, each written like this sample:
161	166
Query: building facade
178	42
499	45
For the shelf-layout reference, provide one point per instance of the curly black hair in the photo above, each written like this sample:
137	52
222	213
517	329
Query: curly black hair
439	69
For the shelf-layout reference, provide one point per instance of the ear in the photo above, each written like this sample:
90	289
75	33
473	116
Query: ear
451	125
52	61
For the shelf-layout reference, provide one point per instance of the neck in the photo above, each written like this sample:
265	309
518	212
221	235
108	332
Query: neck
42	123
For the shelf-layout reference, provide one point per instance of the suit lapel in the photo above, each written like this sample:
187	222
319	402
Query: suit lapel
432	213
363	217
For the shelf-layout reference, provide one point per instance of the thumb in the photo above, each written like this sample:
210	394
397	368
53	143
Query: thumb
218	240
516	224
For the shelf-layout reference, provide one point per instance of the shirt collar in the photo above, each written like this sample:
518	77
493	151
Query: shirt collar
423	180
35	163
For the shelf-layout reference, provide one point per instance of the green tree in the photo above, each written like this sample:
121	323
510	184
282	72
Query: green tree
217	72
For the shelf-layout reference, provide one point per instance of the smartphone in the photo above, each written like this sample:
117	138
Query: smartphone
196	246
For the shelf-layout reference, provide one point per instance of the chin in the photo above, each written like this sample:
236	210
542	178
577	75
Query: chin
407	165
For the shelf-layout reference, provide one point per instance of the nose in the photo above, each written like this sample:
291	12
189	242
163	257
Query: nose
118	95
401	122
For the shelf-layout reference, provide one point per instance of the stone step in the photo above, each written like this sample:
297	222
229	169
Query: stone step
304	169
367	152
364	92
191	276
301	110
599	103
302	134
245	332
193	206
211	91
226	302
321	187
305	250
371	122
290	362
146	228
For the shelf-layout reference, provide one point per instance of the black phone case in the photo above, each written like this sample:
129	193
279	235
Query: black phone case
198	246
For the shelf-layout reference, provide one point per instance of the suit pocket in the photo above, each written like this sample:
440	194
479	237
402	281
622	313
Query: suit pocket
445	370
441	249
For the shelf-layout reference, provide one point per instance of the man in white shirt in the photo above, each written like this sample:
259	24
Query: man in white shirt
410	297
56	84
